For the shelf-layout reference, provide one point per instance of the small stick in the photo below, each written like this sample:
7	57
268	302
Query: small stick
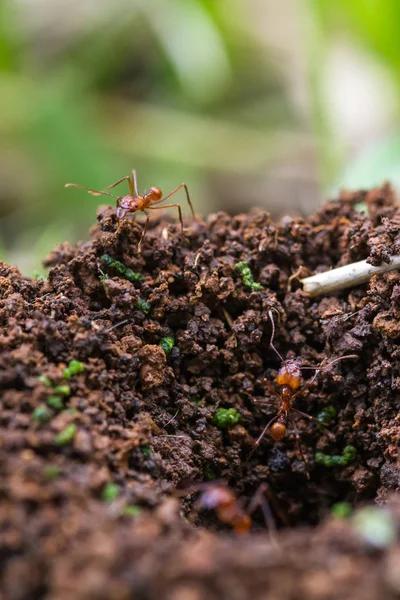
347	276
118	324
171	419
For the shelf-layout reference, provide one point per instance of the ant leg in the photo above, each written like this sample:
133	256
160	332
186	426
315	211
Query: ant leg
260	437
144	230
261	401
260	499
120	181
272	389
170	206
93	192
174	192
273	335
274	503
297	436
313	419
134	179
305	387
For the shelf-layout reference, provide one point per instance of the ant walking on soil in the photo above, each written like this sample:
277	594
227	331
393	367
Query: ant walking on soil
288	386
229	510
134	201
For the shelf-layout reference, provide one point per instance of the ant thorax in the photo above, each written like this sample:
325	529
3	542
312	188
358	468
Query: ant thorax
286	393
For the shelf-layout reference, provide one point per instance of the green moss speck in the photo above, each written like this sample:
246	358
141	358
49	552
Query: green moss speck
41	414
55	402
121	269
224	418
45	380
39	275
349	453
51	472
145	450
209	473
247	276
326	415
341	510
167	343
131	510
143	305
66	436
74	368
62	390
347	456
110	492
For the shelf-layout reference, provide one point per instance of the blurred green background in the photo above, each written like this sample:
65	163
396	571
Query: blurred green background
273	103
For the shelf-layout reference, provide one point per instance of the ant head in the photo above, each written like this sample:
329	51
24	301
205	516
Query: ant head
277	431
154	193
214	497
125	205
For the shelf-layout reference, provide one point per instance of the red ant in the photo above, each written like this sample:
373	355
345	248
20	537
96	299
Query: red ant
134	201
288	387
229	510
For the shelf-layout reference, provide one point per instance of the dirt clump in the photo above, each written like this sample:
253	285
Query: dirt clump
127	379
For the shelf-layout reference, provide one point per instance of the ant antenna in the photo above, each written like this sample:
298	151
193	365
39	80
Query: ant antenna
273	335
93	192
335	360
323	368
303	456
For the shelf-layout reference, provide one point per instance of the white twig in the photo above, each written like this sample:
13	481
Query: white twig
171	419
118	324
347	276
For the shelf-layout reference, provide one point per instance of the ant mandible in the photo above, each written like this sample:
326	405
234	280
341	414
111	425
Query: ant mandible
134	201
286	389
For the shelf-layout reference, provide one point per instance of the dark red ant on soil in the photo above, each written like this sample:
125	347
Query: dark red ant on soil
134	201
223	501
288	386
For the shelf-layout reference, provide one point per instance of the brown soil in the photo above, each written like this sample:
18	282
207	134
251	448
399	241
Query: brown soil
144	419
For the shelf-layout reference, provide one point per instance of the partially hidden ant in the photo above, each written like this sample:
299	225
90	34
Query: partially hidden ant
289	385
229	509
135	202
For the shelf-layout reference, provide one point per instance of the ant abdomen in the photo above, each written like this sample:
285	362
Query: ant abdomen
154	193
277	431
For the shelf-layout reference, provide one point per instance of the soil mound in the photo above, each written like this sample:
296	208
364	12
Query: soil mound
129	379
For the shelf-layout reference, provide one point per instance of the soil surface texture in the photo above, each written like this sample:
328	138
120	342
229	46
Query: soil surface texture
132	383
